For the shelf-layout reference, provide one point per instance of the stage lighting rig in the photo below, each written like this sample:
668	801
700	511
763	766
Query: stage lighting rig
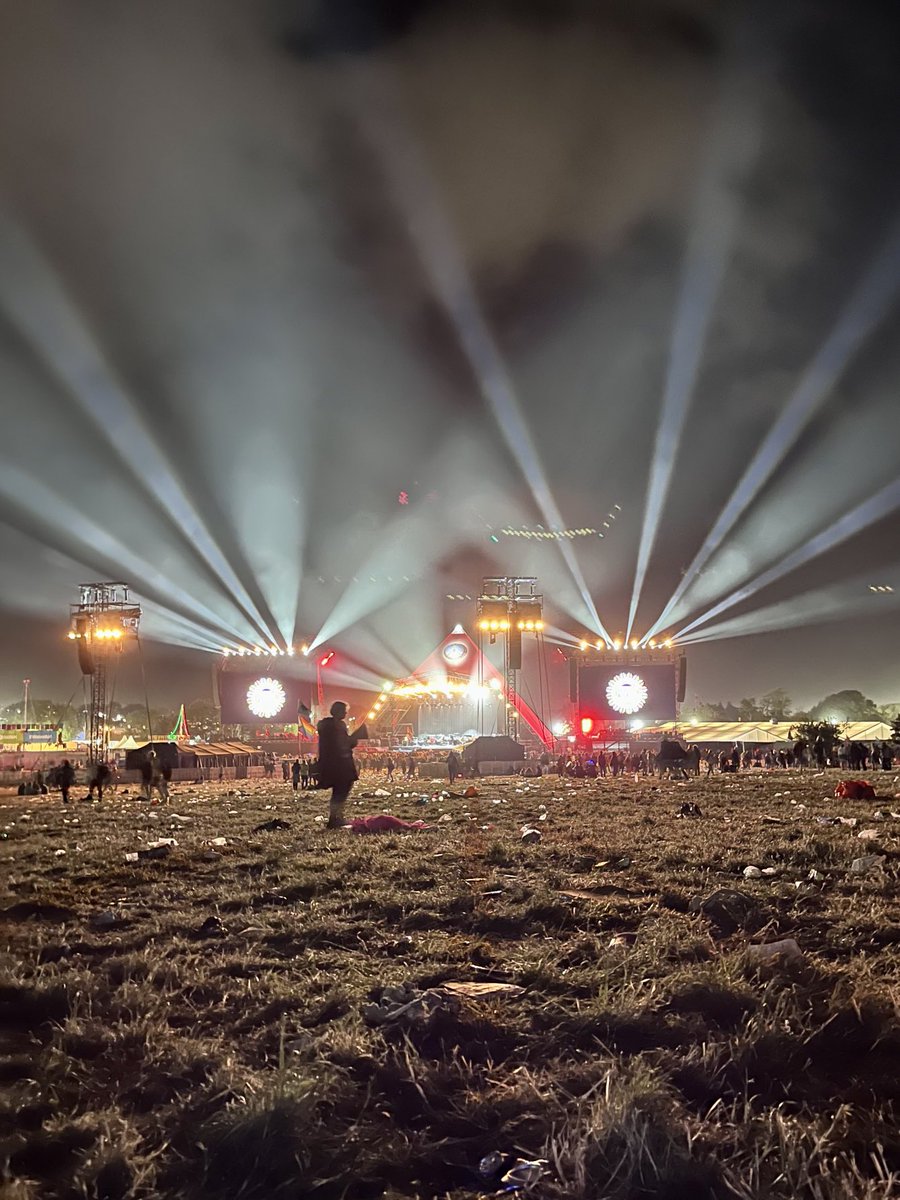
618	652
510	606
628	670
102	621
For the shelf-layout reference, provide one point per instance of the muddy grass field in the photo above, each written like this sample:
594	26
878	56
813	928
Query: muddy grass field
272	1016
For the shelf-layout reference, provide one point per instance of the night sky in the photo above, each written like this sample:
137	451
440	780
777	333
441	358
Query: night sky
266	267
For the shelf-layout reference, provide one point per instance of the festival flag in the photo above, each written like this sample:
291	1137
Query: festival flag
305	726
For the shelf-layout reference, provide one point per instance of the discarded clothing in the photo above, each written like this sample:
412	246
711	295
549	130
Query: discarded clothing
383	823
854	789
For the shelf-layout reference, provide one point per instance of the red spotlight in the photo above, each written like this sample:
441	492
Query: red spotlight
326	659
587	725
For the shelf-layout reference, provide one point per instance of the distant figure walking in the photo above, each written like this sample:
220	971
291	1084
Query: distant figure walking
295	774
65	778
454	766
156	776
99	779
337	770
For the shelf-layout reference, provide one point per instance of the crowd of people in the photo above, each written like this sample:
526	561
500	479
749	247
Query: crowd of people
599	764
335	767
849	756
99	777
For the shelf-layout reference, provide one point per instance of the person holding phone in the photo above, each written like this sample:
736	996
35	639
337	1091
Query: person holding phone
337	770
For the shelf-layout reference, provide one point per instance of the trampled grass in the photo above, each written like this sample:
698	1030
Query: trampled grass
196	1025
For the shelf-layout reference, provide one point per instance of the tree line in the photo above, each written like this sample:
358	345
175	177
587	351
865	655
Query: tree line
777	705
203	716
124	719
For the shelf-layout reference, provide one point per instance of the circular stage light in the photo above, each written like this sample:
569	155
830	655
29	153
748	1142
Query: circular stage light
266	698
626	692
455	653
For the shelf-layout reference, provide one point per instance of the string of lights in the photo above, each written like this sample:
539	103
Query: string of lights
502	624
620	644
541	533
269	651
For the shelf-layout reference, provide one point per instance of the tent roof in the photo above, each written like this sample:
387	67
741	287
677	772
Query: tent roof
868	731
763	732
126	743
201	749
724	731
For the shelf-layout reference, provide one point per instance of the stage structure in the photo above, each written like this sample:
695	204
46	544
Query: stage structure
102	621
454	693
508	607
625	685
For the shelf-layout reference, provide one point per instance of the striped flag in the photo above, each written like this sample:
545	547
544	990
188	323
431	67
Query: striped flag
304	721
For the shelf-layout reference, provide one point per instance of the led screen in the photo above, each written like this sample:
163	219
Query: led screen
628	692
261	697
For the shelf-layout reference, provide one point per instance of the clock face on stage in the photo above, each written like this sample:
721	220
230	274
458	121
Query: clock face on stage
626	692
455	653
266	698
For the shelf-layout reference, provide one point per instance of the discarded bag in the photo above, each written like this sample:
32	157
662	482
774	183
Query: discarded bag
162	850
211	927
524	1174
506	1173
405	1005
730	910
690	809
866	864
854	789
769	953
105	920
272	826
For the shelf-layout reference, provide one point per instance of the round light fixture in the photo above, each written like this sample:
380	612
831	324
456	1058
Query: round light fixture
266	698
455	653
626	692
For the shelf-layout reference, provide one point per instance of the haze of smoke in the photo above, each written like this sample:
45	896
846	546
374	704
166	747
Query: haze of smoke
188	181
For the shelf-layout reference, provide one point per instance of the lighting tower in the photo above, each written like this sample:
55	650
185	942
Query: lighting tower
510	606
100	623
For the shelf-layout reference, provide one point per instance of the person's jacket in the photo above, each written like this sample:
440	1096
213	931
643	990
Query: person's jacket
336	765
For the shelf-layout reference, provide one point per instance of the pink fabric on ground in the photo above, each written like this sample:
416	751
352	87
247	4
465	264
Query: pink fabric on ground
383	823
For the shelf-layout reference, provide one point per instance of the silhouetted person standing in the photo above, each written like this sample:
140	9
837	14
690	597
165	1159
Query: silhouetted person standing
65	778
295	773
337	770
99	780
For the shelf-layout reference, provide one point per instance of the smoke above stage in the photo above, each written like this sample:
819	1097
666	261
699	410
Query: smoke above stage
369	302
